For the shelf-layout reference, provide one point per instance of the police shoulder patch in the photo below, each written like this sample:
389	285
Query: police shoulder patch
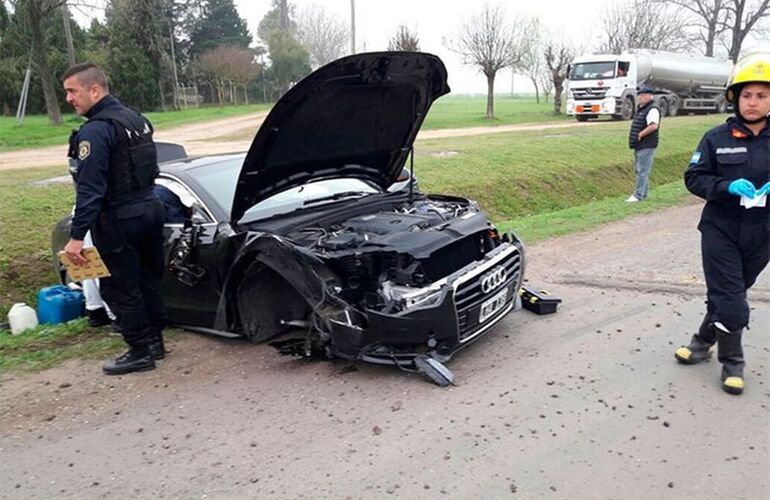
695	157
84	150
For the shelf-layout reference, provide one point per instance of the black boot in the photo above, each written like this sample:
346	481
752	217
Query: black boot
731	357
98	317
699	348
155	344
136	359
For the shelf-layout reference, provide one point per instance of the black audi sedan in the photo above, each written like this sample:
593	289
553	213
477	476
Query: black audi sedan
301	240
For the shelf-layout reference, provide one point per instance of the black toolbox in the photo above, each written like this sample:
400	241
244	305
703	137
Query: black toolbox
538	301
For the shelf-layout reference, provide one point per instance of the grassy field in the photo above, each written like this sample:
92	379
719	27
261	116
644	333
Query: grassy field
463	111
36	131
541	184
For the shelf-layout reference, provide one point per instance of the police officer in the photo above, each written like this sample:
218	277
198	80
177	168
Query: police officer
730	170
116	169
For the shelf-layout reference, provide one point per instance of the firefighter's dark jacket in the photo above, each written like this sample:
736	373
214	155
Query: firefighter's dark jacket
116	162
726	153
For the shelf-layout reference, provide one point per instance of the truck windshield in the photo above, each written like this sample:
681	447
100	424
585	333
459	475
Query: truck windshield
593	70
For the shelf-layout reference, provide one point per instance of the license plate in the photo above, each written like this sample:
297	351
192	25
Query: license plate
491	306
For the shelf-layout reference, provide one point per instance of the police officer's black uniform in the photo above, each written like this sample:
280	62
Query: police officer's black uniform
735	241
116	168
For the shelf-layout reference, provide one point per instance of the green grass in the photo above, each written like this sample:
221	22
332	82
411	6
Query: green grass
27	214
49	345
465	111
534	172
538	227
36	131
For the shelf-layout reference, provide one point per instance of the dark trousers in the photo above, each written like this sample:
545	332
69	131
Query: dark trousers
733	258
130	241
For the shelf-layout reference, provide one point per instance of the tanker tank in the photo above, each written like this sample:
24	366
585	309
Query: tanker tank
681	74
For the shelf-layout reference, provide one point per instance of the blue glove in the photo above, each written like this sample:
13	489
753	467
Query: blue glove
764	190
742	187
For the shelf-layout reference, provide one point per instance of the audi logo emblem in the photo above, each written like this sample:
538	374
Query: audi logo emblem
493	279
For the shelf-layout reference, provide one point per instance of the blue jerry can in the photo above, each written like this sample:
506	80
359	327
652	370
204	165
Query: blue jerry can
57	304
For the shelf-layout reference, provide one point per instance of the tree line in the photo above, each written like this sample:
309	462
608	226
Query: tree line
153	49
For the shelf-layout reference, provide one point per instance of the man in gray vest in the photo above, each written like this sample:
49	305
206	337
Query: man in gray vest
643	139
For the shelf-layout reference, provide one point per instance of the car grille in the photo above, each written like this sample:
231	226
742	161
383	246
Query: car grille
589	93
469	295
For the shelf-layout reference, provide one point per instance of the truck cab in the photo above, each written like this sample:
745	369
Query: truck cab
602	84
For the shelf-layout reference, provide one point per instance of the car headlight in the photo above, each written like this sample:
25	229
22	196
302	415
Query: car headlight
410	298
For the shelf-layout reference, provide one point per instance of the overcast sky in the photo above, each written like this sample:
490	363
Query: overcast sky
434	20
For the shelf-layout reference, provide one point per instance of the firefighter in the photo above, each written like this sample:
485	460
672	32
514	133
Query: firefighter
730	170
116	168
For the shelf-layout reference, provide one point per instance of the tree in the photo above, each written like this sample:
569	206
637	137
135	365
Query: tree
322	34
138	61
558	55
404	40
645	24
289	60
218	23
744	15
34	13
229	63
710	17
532	50
489	42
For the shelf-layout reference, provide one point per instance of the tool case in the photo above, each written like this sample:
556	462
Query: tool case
538	301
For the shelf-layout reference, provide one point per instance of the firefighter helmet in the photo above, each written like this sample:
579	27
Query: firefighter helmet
754	68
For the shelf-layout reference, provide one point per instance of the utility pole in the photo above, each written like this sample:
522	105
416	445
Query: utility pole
352	26
65	13
173	65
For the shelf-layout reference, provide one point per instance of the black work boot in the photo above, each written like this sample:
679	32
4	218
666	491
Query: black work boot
731	357
699	348
155	344
98	317
136	359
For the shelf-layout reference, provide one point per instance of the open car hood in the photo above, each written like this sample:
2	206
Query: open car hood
355	117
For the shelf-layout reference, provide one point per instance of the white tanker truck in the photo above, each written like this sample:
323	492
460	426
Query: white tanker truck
605	84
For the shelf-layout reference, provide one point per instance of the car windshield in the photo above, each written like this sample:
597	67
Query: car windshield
220	181
593	70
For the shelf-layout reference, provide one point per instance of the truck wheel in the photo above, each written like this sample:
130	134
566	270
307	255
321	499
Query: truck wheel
721	106
664	108
673	108
627	110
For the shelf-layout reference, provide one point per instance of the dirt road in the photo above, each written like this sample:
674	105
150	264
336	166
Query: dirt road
584	404
216	137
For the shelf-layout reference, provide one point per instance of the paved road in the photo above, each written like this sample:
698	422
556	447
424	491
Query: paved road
584	404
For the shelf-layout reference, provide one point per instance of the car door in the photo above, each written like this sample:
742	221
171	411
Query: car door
191	291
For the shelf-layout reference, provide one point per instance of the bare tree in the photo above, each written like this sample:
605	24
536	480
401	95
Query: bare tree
489	42
323	35
34	14
404	40
226	65
710	18
558	55
546	82
744	15
643	24
532	62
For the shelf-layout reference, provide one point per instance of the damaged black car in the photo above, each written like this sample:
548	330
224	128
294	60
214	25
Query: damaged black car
301	242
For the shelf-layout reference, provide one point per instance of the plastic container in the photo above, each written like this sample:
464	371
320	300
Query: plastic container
57	304
21	317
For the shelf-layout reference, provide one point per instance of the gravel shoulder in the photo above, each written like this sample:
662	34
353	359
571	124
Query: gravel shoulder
586	403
